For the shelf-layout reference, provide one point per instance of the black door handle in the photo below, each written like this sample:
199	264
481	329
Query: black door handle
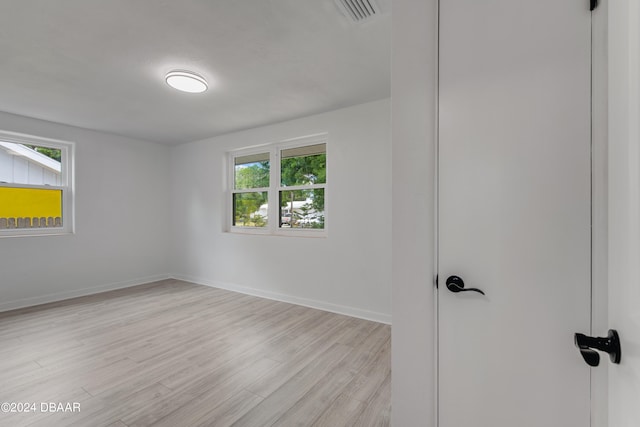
610	344
456	284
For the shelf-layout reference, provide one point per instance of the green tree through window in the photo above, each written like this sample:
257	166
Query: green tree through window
251	172
296	186
53	153
303	173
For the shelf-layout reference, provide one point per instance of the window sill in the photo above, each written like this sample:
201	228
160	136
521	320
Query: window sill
318	234
34	233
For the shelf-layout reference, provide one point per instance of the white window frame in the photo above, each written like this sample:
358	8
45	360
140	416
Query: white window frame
232	178
67	184
273	191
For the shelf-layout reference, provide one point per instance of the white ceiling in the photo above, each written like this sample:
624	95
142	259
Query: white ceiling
100	64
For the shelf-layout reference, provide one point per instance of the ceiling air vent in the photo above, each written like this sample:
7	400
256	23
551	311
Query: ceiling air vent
358	10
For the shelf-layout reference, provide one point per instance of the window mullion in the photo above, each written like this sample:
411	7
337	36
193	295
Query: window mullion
32	186
252	190
302	187
274	201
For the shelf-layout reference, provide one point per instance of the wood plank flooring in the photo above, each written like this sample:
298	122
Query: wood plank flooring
176	354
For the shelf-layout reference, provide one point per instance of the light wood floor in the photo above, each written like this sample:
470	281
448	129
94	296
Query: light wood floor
176	354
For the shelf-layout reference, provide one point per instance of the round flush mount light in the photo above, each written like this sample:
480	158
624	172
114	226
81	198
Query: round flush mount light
186	81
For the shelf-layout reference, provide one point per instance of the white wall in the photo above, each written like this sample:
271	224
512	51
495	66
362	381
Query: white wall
413	88
122	221
348	271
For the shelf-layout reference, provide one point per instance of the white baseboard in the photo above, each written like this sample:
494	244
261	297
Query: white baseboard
320	305
60	296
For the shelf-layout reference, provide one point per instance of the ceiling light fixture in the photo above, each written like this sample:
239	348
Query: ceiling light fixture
186	81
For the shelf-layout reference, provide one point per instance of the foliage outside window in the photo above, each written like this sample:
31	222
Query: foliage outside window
303	176
251	190
292	175
35	186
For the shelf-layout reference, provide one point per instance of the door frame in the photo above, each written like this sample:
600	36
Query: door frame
599	208
599	214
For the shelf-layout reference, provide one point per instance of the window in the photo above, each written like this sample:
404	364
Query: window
35	185
295	185
303	177
251	190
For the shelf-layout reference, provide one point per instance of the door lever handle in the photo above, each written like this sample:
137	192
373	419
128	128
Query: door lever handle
610	344
456	284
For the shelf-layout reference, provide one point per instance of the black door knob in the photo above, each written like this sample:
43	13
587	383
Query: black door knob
610	344
456	284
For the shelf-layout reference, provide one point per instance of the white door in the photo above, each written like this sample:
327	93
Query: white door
624	209
514	212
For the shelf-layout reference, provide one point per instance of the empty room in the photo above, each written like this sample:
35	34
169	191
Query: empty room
418	213
211	254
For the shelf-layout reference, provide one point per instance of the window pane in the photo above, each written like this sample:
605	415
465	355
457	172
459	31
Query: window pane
303	165
29	207
302	209
30	164
250	209
251	171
